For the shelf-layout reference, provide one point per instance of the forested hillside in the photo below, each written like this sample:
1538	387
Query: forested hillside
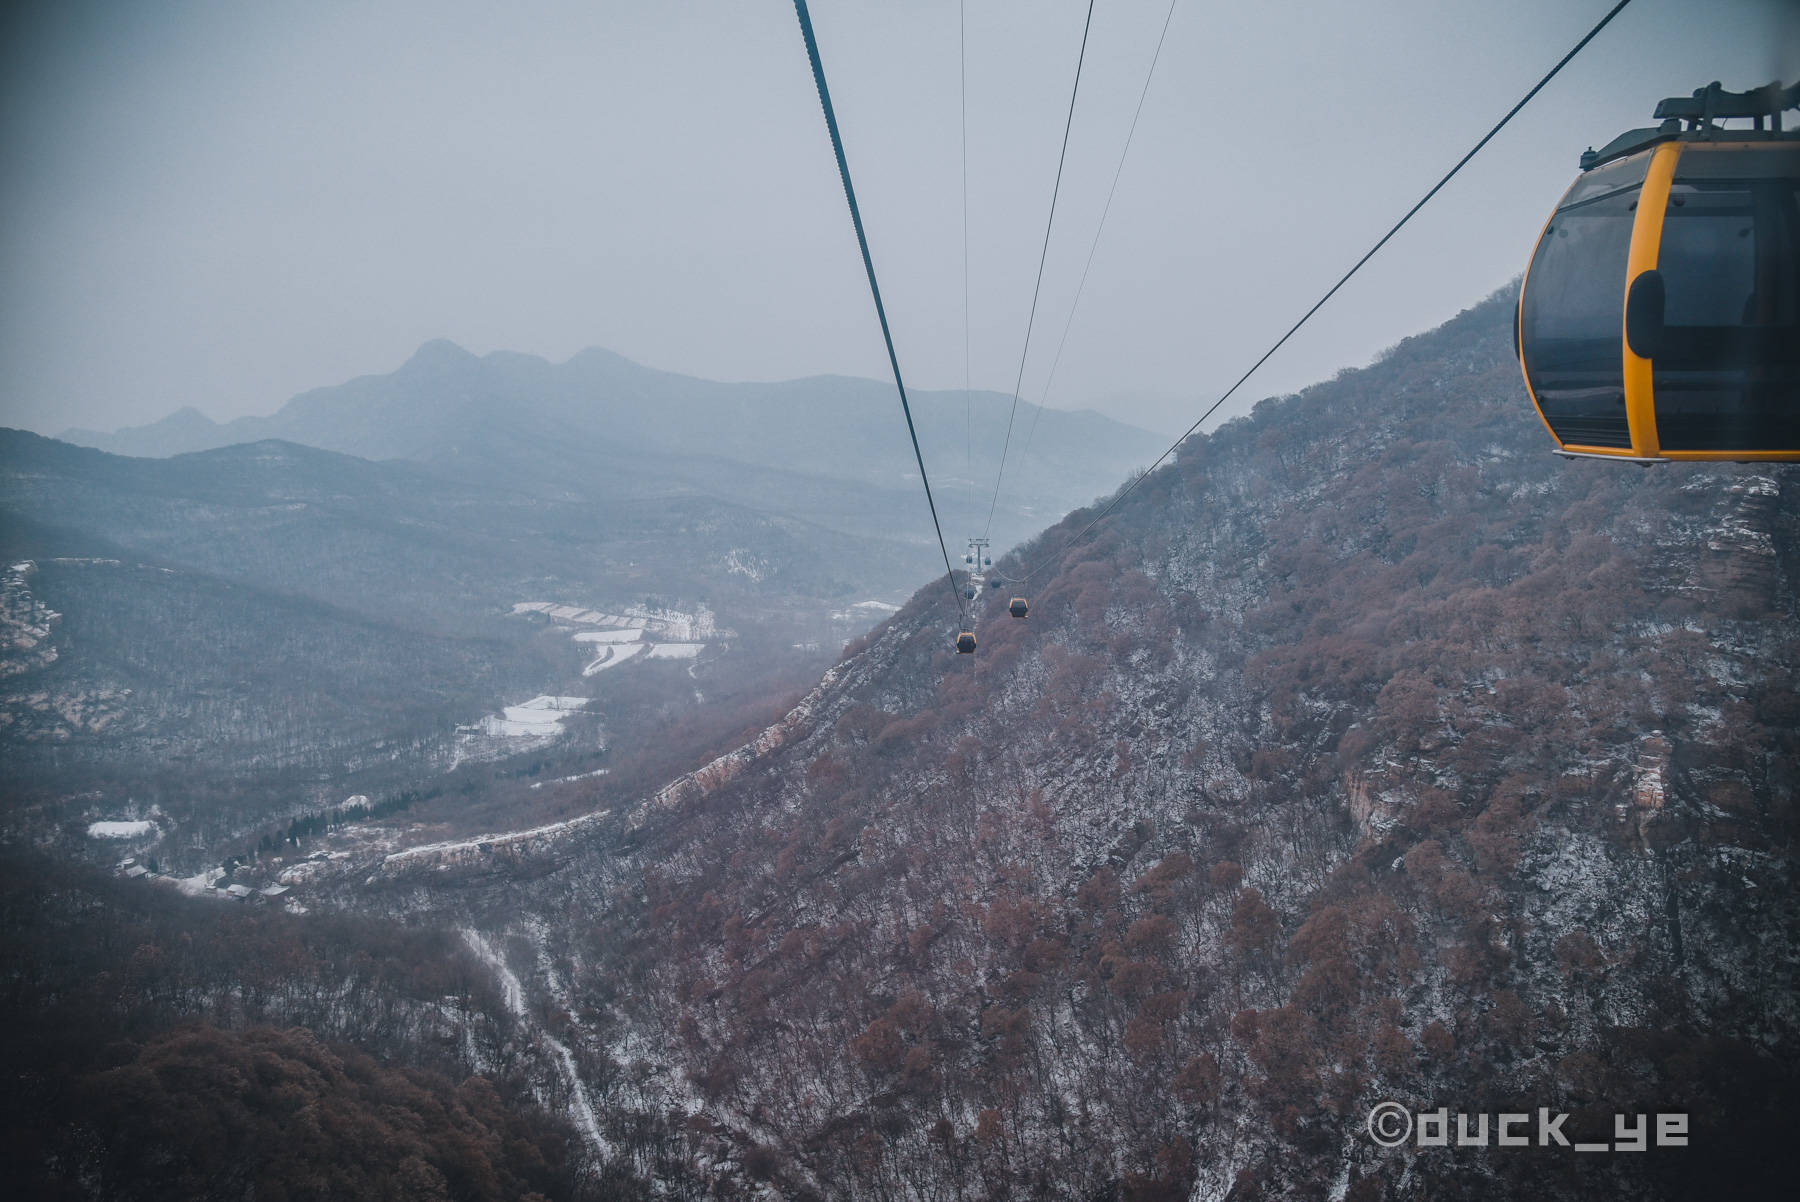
1370	752
159	1047
227	640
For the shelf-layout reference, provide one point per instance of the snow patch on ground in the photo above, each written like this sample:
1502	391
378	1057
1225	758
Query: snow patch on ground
200	884
863	611
740	561
511	991
612	655
505	837
537	718
582	1109
674	624
622	636
565	779
120	830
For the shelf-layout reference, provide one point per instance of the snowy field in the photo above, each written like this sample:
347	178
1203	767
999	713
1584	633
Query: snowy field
612	655
864	611
539	717
120	830
636	633
675	625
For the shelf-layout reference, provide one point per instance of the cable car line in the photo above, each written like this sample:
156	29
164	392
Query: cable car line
862	240
1099	229
1049	223
1333	290
962	64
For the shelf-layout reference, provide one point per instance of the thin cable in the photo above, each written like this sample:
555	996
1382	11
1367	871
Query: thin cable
1056	360
862	240
962	62
1280	342
1044	254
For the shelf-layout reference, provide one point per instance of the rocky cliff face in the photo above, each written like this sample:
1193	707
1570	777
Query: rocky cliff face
1369	753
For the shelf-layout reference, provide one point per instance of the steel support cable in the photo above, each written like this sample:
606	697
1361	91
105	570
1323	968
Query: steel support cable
862	240
1106	209
1049	224
962	65
1342	280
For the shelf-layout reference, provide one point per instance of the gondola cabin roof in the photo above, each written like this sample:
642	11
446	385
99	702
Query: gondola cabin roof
1692	118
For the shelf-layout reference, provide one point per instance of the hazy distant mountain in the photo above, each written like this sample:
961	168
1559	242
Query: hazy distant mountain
186	429
600	422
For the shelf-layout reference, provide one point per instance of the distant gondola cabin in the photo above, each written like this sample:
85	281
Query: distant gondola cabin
1660	315
1019	607
965	643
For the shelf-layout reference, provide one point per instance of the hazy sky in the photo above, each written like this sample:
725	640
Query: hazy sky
222	204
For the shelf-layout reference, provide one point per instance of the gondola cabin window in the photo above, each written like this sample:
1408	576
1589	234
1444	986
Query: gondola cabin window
1727	369
1575	293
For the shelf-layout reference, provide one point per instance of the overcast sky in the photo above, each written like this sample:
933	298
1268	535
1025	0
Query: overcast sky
222	204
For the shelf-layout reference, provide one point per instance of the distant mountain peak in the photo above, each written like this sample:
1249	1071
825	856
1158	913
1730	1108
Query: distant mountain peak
183	430
599	354
437	354
599	357
187	415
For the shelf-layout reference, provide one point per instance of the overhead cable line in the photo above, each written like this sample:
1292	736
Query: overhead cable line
862	240
1049	223
1332	291
1106	209
962	64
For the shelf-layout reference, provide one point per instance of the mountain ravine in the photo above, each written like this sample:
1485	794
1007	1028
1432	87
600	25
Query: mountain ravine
1368	753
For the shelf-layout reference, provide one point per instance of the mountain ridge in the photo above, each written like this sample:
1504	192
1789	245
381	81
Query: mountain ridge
827	450
441	361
